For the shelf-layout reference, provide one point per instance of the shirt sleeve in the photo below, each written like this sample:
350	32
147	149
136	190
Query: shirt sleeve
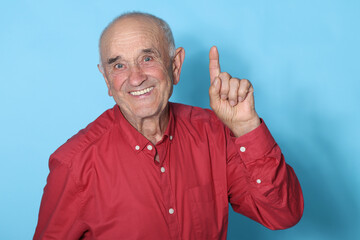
261	185
60	205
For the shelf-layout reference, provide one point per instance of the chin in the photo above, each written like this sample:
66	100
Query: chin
145	111
142	109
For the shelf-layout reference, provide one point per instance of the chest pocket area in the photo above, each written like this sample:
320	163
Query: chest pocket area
209	207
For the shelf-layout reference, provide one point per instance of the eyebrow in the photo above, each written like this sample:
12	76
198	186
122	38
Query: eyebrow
112	60
146	50
151	50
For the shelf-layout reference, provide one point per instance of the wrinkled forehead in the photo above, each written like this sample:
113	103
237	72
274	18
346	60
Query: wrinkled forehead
131	32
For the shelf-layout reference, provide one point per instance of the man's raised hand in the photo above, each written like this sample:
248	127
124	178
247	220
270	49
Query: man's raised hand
232	99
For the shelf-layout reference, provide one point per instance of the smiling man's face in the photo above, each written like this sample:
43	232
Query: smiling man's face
137	67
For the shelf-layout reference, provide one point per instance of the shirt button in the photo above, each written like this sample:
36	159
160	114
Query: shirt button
258	181
162	169
149	147
171	137
137	147
171	211
242	149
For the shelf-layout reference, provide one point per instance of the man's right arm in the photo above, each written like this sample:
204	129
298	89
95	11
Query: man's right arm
261	185
60	205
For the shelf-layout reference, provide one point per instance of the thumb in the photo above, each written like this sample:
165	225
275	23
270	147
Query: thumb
214	92
214	65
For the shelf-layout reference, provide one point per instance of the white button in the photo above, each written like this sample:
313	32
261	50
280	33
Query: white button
171	211
171	137
242	149
258	181
149	147
137	147
162	169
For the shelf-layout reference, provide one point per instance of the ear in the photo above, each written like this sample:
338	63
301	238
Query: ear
101	69
177	64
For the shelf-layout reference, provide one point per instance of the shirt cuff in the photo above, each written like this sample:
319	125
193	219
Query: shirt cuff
255	144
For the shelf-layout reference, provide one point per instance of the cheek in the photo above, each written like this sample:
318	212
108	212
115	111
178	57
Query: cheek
155	67
158	72
117	80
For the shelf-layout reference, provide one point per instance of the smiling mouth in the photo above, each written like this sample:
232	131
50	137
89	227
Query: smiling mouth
141	92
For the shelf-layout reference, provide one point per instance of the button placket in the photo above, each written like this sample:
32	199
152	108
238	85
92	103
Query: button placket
150	151
164	149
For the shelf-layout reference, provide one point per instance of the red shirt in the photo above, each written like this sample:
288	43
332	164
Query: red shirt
105	184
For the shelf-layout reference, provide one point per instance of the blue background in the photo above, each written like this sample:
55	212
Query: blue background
301	56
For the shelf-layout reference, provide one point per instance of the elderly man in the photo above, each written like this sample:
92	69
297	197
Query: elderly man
151	169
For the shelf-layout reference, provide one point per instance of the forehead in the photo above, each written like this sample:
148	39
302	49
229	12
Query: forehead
131	35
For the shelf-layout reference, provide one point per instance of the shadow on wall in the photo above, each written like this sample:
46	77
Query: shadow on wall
311	149
193	88
194	81
316	149
330	205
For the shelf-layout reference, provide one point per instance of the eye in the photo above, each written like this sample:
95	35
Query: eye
119	66
147	59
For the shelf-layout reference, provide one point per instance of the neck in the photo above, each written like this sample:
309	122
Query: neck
154	127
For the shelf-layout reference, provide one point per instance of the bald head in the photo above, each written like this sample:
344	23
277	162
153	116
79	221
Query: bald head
120	22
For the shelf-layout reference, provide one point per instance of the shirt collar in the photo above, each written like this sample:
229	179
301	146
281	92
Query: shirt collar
170	130
135	139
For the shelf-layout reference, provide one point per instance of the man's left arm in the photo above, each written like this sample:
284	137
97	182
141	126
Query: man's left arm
260	184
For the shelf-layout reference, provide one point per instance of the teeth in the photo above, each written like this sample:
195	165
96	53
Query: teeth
137	93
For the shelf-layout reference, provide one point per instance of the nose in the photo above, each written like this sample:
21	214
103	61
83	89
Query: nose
137	76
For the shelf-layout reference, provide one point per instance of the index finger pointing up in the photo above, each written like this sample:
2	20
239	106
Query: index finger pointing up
214	65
